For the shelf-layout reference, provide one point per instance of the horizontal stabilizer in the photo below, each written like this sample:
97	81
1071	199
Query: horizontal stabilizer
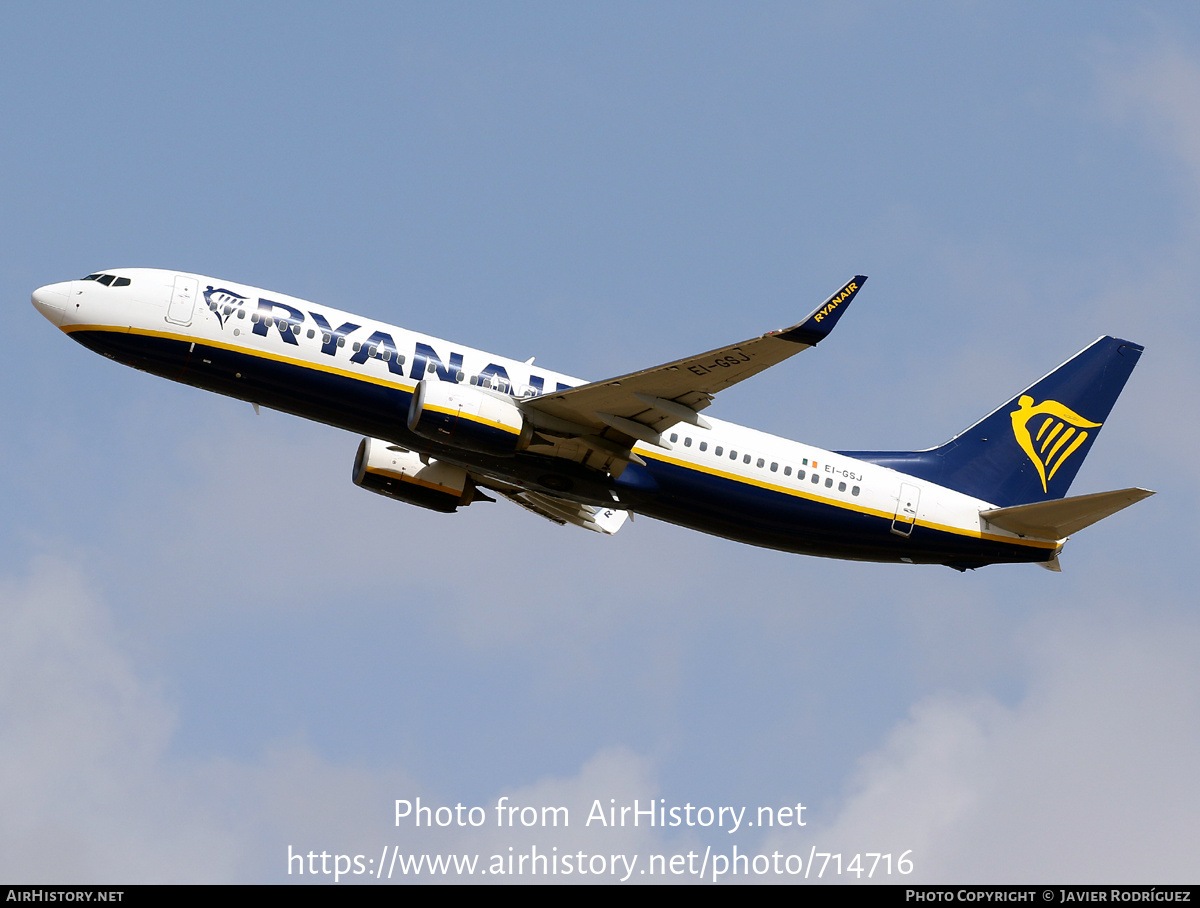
1060	518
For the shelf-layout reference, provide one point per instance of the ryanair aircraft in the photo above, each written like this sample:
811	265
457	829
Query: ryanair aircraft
445	425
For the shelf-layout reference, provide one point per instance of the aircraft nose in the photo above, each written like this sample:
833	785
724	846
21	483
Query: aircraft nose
51	301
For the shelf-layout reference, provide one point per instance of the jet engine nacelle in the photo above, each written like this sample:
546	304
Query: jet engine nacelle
398	473
469	418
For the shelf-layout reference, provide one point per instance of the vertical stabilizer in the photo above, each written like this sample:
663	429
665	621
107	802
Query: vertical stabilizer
1030	449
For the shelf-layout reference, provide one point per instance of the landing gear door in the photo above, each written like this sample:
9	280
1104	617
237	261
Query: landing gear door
906	509
183	300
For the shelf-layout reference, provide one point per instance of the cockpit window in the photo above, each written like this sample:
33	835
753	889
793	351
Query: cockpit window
108	280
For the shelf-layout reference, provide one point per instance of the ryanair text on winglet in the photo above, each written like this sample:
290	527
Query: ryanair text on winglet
835	302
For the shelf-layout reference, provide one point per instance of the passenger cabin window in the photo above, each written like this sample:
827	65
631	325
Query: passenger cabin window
760	463
704	446
674	436
687	442
718	451
854	491
746	459
787	471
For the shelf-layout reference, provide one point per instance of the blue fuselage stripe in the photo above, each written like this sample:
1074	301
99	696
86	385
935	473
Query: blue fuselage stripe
717	504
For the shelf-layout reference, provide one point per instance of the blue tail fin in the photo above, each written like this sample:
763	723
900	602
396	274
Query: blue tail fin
1031	448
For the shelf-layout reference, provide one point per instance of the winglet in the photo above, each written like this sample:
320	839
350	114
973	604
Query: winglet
817	326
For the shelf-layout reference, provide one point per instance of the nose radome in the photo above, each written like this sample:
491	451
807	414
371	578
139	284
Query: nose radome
51	301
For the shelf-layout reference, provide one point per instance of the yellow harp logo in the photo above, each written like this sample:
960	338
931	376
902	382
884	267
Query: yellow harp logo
1059	434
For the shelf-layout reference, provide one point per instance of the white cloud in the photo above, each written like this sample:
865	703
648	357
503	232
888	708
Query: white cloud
82	794
1156	88
1090	777
89	791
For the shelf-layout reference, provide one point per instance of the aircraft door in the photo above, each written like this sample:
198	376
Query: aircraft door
906	509
183	300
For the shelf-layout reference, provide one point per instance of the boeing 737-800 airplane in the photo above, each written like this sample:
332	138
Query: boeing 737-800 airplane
445	425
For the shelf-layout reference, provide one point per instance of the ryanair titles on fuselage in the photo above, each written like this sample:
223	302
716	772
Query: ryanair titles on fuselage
228	305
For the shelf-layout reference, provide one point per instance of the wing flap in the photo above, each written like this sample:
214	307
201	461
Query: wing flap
559	510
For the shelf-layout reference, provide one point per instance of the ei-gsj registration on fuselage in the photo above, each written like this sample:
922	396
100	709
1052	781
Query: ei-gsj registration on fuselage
445	425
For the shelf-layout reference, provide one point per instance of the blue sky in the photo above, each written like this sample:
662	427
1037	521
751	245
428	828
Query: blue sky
213	646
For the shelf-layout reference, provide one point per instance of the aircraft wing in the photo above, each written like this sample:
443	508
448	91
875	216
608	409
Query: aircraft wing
559	510
640	405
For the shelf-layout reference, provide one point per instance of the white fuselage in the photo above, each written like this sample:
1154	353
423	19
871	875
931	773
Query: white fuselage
205	328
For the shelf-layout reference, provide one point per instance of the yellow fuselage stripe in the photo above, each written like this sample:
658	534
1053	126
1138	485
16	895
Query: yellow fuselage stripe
846	505
248	351
408	386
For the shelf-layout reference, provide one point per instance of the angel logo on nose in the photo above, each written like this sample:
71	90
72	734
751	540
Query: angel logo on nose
223	303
